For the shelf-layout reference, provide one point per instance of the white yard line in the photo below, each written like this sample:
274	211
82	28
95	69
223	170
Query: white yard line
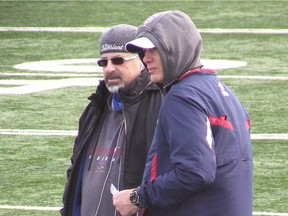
35	208
270	214
54	29
32	86
44	75
41	208
38	132
243	31
74	133
253	77
101	29
269	136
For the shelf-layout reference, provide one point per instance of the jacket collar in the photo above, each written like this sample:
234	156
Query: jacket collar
128	96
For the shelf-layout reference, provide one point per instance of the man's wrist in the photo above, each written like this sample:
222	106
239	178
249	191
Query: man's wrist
135	198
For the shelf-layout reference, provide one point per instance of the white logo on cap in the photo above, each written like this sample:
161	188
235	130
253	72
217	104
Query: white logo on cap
111	47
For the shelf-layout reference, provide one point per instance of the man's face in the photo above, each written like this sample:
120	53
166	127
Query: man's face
154	65
120	70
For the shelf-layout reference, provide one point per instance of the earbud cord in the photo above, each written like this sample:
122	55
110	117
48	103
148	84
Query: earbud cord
109	170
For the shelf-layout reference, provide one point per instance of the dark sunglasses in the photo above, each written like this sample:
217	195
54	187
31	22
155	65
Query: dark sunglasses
115	60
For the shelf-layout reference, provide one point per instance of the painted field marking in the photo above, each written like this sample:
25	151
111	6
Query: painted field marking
62	65
39	132
31	86
34	208
74	66
101	29
90	66
270	214
253	77
269	136
41	208
74	133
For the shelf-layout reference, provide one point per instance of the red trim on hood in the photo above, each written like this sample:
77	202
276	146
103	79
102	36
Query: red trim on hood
195	71
221	121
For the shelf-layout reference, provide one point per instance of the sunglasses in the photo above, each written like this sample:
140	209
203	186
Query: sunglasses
115	60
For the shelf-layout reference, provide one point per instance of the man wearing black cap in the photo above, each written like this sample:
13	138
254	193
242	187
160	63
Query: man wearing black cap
200	161
115	130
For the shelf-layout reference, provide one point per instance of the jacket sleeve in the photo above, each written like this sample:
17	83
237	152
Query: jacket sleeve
76	149
184	129
86	122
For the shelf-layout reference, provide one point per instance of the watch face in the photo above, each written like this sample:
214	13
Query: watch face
133	197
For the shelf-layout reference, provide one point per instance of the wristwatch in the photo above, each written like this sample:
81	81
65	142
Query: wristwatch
134	198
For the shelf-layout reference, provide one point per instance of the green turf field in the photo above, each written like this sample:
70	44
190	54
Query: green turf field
33	168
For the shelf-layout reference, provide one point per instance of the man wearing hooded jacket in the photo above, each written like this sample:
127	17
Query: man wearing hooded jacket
115	130
200	161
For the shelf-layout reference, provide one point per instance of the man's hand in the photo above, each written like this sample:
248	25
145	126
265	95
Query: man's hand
122	203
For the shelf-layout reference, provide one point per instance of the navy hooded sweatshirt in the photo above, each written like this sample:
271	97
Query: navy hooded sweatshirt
200	161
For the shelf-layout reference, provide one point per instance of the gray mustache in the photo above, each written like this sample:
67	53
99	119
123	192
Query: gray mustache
112	76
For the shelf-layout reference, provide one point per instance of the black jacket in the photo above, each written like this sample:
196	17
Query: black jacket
141	104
